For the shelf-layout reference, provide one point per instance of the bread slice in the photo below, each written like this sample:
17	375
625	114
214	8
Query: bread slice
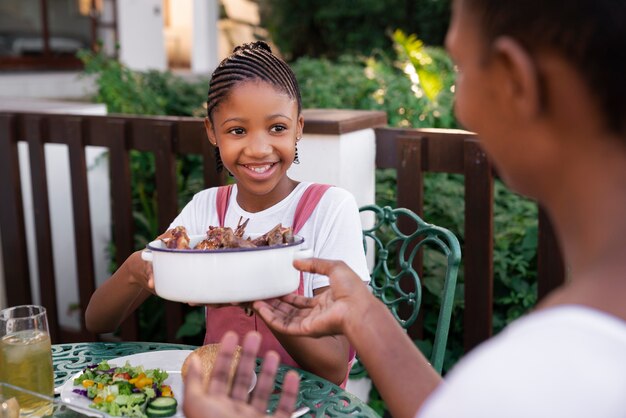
207	355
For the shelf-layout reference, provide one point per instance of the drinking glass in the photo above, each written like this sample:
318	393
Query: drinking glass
26	354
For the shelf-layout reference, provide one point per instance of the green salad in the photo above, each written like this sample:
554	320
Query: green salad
130	391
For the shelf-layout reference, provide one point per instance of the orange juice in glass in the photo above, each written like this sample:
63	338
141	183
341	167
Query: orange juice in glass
26	353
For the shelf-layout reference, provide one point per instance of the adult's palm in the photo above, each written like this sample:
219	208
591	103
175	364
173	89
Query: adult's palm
324	314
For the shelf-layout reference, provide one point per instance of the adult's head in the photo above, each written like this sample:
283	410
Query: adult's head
251	62
589	34
535	72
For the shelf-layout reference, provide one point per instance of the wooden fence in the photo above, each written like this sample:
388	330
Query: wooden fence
412	152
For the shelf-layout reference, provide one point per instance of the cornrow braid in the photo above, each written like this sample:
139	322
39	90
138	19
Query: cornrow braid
251	61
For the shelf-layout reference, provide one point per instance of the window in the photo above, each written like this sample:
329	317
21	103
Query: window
46	34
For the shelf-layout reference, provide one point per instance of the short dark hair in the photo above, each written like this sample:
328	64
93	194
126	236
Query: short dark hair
590	34
249	62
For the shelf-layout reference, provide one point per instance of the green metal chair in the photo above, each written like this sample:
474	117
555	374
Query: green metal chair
394	279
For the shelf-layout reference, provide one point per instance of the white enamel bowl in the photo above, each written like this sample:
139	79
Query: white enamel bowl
226	275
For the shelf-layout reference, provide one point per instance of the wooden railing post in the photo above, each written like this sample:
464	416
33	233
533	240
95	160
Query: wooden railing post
12	230
36	131
121	206
76	133
478	253
410	195
167	203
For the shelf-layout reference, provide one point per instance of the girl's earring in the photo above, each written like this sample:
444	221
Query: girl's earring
296	160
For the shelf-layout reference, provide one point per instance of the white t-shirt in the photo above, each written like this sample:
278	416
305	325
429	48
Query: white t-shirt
333	230
561	362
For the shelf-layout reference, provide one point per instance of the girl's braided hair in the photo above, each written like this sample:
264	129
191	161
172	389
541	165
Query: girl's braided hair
249	62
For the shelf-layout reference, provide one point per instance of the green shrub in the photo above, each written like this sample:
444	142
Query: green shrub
142	93
330	29
374	83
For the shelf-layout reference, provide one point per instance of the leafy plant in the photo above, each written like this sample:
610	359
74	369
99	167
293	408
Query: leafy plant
318	29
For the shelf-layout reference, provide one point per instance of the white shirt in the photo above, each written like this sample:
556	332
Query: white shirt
562	362
333	231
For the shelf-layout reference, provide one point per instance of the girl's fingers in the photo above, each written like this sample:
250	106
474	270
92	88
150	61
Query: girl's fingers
218	384
265	382
289	396
245	369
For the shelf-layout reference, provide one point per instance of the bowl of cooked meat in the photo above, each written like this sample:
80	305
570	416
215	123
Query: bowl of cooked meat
225	265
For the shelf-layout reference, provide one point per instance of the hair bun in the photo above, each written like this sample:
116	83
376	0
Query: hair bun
253	45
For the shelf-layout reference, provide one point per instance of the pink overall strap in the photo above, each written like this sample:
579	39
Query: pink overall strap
221	202
307	204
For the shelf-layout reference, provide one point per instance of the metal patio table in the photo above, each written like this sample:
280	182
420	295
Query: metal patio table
324	398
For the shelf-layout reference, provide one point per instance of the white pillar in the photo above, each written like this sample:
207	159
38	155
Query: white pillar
339	148
205	32
141	38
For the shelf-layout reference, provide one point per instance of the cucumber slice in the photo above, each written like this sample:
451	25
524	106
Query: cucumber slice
163	402
160	413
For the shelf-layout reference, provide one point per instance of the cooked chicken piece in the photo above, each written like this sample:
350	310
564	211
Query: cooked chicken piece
176	238
276	236
241	228
225	237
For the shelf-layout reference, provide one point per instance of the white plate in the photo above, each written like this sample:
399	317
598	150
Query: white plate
169	360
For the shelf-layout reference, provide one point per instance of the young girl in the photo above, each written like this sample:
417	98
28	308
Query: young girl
254	120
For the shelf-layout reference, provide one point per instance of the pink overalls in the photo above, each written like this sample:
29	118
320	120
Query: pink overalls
220	320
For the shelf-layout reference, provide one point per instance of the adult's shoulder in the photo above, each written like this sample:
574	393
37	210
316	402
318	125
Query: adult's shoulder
562	361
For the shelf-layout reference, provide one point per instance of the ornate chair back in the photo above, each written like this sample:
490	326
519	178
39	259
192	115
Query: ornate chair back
397	237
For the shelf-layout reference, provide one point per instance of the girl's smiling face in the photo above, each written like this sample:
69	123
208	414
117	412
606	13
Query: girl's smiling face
256	128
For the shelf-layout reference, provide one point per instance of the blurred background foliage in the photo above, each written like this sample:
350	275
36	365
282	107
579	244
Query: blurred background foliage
316	29
345	57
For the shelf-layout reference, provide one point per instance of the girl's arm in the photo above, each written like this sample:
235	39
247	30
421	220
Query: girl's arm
326	357
120	295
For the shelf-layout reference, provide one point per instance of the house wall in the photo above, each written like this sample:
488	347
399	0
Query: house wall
47	85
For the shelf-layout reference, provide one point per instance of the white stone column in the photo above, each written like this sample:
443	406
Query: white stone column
204	54
141	38
339	148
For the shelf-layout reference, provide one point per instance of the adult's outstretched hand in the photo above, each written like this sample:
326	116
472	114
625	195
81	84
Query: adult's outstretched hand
328	313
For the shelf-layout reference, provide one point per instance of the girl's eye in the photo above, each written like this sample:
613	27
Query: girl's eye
237	131
278	128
